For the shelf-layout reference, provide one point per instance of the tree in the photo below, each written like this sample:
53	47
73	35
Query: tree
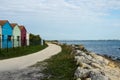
35	39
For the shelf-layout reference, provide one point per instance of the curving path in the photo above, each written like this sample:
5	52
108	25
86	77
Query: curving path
25	61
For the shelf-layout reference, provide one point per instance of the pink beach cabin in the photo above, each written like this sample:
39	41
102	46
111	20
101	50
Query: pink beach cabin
23	36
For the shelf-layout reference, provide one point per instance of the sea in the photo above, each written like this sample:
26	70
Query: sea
102	47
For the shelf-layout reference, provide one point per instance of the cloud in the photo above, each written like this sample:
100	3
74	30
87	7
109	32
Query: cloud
79	7
81	10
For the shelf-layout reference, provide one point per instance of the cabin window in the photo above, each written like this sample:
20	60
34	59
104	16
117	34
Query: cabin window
9	38
18	38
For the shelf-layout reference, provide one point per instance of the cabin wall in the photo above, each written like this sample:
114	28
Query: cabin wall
16	37
23	37
0	36
6	31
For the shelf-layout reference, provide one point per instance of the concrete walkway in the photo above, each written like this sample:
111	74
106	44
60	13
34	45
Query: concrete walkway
25	61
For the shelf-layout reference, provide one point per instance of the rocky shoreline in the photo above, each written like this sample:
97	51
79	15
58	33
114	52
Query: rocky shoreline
91	66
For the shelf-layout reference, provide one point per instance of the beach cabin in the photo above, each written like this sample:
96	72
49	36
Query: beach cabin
23	35
0	36
16	35
27	37
6	34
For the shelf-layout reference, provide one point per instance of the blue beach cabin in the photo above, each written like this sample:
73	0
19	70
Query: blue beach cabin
6	34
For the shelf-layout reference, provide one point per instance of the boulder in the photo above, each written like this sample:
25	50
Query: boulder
118	59
97	76
88	79
76	58
95	65
78	79
84	65
76	52
81	47
83	59
106	61
92	54
111	64
81	73
82	54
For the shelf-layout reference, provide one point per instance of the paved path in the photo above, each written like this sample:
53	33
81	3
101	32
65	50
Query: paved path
25	61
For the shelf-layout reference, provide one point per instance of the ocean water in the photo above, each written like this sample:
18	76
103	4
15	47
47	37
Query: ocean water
108	47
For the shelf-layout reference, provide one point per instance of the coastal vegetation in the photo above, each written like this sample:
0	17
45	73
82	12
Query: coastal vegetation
20	51
34	39
60	66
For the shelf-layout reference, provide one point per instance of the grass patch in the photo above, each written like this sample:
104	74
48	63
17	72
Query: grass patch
61	66
20	51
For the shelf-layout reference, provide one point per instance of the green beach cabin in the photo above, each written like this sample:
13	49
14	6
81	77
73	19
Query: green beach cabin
16	35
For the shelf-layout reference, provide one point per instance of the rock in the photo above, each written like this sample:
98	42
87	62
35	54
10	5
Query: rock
84	65
78	79
106	61
98	76
81	47
113	57
82	54
95	65
88	79
86	56
92	54
76	52
111	64
100	58
79	63
76	58
118	59
89	57
81	73
83	59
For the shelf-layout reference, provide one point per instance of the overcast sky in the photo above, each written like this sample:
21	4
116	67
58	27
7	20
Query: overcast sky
65	19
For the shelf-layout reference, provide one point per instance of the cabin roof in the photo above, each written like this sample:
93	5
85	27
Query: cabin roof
13	24
2	22
21	27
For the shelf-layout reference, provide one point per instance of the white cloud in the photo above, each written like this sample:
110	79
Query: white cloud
82	9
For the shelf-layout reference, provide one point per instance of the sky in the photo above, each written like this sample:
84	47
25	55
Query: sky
65	19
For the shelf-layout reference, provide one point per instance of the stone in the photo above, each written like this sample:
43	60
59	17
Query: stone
76	58
81	73
98	76
76	52
118	59
95	65
84	65
82	54
81	47
92	54
78	79
111	64
106	61
88	79
84	60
